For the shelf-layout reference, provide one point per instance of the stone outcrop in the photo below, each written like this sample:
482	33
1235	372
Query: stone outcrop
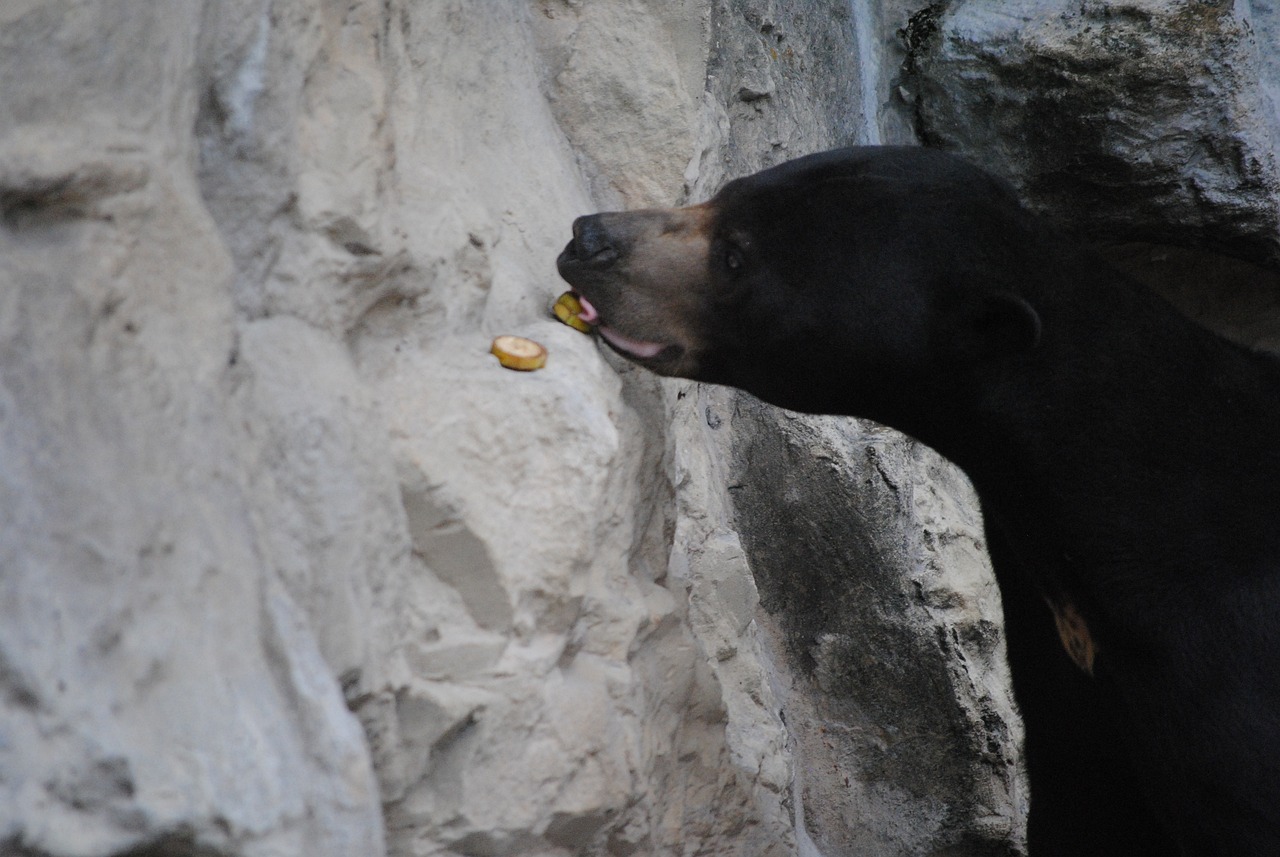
1148	127
1157	118
290	565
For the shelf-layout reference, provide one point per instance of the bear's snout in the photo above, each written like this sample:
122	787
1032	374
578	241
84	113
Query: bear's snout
645	276
592	241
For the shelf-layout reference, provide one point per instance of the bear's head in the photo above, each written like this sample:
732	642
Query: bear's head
843	282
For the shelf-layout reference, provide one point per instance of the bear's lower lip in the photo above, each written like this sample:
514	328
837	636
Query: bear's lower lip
629	347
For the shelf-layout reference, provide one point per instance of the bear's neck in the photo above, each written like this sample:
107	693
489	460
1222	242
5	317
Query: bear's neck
1123	410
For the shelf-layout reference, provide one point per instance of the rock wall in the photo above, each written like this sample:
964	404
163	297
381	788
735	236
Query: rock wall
878	616
289	565
1149	127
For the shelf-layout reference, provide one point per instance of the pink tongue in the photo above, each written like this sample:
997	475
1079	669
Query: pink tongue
588	314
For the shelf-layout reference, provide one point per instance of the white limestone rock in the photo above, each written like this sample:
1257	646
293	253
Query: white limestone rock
161	687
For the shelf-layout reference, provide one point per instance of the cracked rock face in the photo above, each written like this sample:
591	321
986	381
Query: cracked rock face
1151	120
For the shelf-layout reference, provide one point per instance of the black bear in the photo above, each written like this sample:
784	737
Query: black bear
1127	460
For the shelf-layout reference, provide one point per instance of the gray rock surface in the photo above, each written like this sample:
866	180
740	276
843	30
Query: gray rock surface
160	684
902	744
1149	120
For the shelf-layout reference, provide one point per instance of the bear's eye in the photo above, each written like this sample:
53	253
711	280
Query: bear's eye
732	259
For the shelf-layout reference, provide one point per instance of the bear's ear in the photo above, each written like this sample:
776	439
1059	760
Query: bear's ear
1003	323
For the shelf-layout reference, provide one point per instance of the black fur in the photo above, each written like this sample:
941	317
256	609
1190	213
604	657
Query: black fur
1127	461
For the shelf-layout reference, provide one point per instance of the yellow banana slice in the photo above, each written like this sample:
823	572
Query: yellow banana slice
566	308
516	352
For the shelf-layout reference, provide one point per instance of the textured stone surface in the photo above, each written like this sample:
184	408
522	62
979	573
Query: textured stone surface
1150	120
811	523
258	459
880	623
160	686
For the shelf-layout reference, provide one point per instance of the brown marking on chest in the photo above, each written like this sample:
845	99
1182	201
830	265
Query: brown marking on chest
1074	634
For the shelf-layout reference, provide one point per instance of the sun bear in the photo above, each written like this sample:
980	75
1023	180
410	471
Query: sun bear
1127	460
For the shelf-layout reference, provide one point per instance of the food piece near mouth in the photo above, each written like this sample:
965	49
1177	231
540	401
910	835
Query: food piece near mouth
569	309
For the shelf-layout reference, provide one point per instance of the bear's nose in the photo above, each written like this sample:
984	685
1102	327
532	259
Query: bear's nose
591	240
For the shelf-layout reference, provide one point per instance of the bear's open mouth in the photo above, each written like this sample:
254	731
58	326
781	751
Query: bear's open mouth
627	346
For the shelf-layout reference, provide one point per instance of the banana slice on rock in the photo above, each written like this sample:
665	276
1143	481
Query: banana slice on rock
567	308
516	352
